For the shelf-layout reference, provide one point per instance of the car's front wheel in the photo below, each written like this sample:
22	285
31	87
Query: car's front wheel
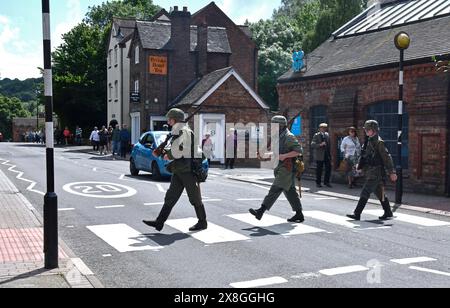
133	170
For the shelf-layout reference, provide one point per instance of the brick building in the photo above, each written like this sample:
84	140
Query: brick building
354	76
186	61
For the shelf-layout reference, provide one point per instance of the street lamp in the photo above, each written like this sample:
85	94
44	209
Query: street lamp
402	42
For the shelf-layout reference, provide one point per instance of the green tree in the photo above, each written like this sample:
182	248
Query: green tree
80	71
333	15
10	108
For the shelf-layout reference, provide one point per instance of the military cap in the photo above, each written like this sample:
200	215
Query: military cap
372	124
176	114
280	120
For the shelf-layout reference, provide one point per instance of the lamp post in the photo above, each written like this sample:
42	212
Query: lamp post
50	199
402	42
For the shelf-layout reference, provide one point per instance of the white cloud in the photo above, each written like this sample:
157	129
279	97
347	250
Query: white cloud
73	18
251	11
16	61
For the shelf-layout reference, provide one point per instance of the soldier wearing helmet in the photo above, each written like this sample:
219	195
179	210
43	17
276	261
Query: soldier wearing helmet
285	174
182	175
376	163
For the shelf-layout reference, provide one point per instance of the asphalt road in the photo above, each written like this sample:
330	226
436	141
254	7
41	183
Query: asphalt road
101	209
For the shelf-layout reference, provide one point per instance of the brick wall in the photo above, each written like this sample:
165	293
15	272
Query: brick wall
348	97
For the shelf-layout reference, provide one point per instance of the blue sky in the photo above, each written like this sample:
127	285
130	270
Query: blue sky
21	26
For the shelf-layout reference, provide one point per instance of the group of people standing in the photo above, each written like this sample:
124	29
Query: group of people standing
113	140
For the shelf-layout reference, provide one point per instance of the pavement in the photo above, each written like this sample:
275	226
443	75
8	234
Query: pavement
21	248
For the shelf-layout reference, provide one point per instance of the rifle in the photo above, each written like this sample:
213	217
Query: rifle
161	150
363	160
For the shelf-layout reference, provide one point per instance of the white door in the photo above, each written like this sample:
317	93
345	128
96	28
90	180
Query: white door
215	125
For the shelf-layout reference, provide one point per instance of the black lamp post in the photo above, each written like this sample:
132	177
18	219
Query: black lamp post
402	42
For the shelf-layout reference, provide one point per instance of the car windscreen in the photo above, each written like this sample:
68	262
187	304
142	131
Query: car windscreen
160	138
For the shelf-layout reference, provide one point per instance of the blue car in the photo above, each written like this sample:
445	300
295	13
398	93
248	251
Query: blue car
142	158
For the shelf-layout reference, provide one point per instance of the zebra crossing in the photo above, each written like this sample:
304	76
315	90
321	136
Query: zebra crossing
124	238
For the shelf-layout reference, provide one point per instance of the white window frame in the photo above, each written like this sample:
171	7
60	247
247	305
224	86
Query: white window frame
116	92
110	92
136	86
136	55
109	58
116	59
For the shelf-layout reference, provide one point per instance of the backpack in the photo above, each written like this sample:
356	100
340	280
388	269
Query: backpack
199	166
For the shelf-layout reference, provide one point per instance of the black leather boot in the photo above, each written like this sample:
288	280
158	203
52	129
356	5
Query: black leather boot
298	218
359	209
158	225
387	210
200	226
258	213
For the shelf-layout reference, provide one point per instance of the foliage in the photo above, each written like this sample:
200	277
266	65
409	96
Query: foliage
10	108
24	90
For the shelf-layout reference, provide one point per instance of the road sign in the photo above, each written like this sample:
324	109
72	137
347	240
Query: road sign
101	190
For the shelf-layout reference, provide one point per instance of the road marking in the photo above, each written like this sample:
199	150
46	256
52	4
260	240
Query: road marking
107	256
251	199
123	238
160	188
94	169
213	235
258	283
331	218
416	220
20	177
109	207
101	190
276	225
343	270
212	200
82	267
327	198
66	209
263	187
427	270
155	203
413	260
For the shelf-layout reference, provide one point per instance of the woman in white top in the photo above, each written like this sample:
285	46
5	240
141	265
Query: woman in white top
351	148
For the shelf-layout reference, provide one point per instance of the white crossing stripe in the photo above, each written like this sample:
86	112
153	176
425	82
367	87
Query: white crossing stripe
258	283
66	209
343	270
213	235
161	188
123	238
427	270
327	198
155	203
251	199
212	200
331	218
263	187
416	220
276	225
413	260
109	207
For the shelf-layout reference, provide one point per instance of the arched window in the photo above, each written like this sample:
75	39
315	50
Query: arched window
386	113
318	116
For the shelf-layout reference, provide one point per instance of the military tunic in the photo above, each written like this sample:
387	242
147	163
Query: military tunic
376	160
285	174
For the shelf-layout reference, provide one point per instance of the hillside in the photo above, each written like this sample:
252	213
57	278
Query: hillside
23	90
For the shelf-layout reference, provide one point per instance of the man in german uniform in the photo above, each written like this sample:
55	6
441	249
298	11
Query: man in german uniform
285	174
375	161
182	175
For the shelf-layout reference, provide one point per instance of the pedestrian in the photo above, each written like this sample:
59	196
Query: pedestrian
322	154
66	134
285	174
95	139
375	161
103	136
231	146
116	141
78	135
182	175
109	140
125	141
351	150
208	147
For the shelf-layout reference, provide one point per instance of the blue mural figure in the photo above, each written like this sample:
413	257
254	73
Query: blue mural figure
298	62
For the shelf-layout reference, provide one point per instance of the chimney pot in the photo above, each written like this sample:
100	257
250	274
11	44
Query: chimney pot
185	9
175	8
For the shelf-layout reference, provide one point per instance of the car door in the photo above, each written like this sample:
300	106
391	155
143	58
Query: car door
148	147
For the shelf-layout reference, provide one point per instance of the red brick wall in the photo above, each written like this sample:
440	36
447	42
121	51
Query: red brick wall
347	97
243	48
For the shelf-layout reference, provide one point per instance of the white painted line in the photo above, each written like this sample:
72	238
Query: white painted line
413	260
94	169
160	188
416	220
427	270
79	264
123	238
276	225
70	227
107	256
250	199
343	270
263	187
155	203
109	207
327	198
212	200
258	283
213	235
66	210
331	218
